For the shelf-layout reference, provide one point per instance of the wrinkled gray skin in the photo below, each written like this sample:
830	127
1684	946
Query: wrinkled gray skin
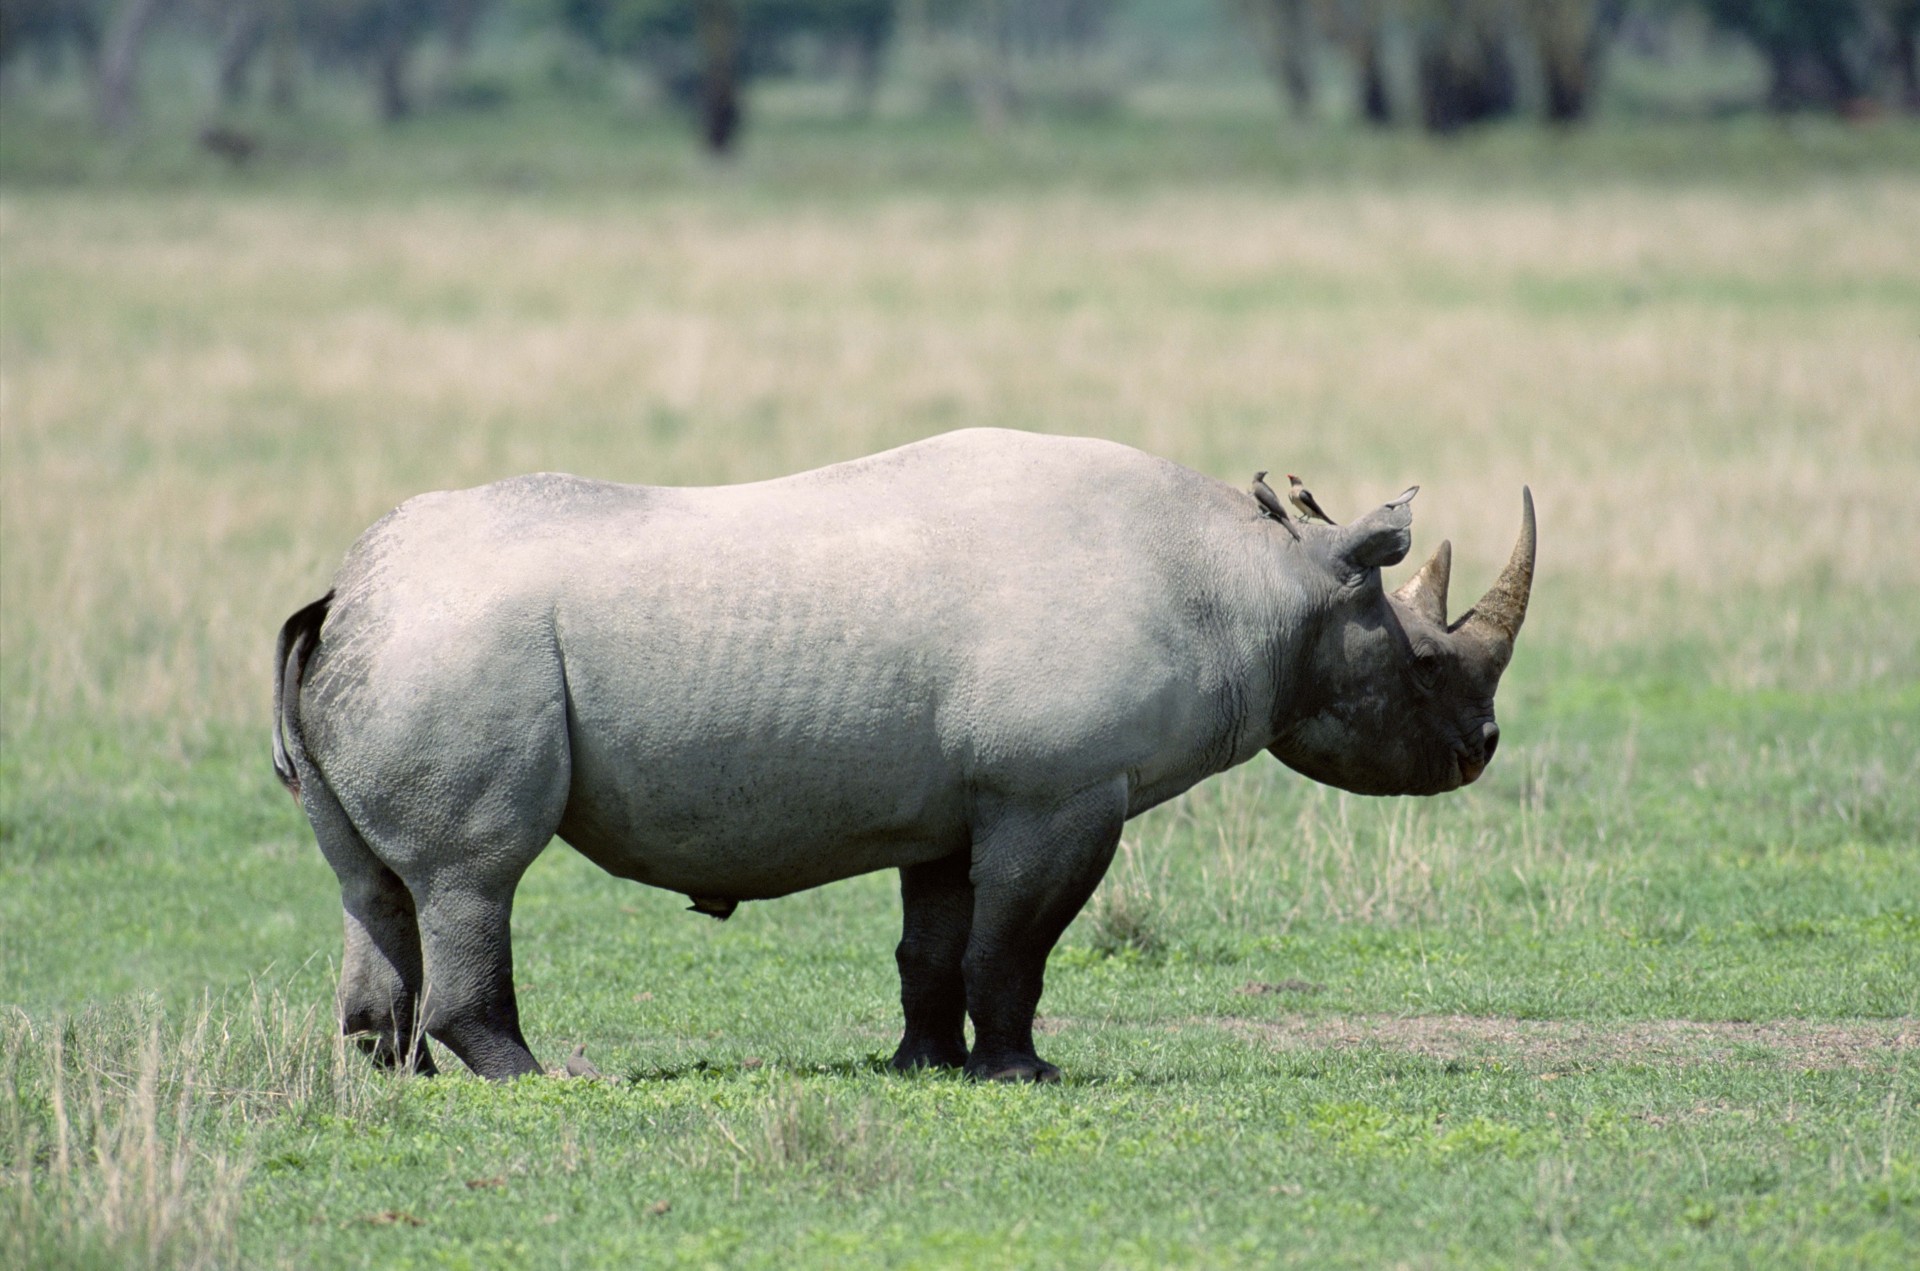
970	659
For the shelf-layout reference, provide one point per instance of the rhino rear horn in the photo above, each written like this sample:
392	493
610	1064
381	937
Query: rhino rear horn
1426	592
1495	620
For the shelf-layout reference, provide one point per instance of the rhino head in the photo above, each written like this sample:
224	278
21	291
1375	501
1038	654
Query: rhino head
1394	699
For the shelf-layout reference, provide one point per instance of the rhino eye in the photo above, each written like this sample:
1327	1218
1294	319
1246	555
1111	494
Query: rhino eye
1426	667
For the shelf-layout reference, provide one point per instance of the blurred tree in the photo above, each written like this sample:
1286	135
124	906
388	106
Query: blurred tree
1463	64
248	28
1893	35
459	19
49	28
1571	38
1816	50
718	26
1054	27
1360	27
1904	49
1284	32
243	30
704	52
379	35
993	97
119	66
1001	56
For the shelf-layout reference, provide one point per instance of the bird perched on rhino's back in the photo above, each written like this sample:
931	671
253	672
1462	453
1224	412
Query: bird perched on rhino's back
970	659
1302	498
1270	502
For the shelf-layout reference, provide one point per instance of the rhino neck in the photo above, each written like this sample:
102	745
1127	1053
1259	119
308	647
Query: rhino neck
1276	616
1301	606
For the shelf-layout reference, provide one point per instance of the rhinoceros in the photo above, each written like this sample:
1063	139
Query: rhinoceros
970	659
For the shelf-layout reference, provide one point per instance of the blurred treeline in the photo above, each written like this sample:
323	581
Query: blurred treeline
1438	64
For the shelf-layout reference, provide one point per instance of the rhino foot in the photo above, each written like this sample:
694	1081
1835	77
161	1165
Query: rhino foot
915	1054
380	1049
1031	1069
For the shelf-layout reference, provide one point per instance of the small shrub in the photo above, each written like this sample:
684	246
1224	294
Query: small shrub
799	1133
1127	920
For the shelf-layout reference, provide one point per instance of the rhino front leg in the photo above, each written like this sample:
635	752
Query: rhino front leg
469	1004
937	900
1033	869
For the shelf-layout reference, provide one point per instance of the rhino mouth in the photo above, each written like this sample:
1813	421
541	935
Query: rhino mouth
1474	757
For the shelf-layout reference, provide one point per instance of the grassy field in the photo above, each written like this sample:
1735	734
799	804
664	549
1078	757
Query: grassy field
1649	993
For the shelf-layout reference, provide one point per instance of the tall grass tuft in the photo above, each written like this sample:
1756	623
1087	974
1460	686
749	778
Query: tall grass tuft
120	1125
1126	919
799	1133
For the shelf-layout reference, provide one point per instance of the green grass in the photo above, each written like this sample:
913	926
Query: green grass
1646	994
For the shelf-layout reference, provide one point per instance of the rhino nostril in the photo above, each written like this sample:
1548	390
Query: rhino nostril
1489	740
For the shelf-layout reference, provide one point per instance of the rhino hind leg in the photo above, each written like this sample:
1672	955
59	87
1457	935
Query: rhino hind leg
937	900
1033	870
380	973
469	1005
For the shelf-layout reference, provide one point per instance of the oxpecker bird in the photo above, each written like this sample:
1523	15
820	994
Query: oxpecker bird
1303	499
1270	502
578	1065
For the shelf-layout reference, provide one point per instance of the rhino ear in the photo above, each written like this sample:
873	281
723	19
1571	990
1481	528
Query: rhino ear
1381	537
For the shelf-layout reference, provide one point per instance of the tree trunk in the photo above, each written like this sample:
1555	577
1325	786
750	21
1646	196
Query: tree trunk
719	31
390	81
462	18
120	61
240	39
1466	75
1808	75
1359	28
283	60
992	85
1560	31
1284	31
1375	106
1296	56
866	72
1906	56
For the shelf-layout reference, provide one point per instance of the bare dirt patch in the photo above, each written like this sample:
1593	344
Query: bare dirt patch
1560	1044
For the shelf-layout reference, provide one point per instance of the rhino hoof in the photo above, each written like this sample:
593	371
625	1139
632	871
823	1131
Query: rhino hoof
906	1060
1034	1070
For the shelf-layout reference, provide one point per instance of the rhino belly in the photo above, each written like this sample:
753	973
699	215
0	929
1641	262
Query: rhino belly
701	767
754	823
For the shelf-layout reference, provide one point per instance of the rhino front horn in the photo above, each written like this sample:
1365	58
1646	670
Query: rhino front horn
1426	592
1495	620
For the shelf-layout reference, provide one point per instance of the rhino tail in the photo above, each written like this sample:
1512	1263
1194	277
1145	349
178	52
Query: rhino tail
299	636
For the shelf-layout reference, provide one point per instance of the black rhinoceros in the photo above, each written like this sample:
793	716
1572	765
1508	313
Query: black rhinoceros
970	659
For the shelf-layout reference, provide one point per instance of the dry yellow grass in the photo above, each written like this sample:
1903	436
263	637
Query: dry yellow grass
205	399
137	1167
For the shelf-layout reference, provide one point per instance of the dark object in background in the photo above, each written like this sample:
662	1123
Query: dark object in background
236	147
1466	74
718	25
1830	54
